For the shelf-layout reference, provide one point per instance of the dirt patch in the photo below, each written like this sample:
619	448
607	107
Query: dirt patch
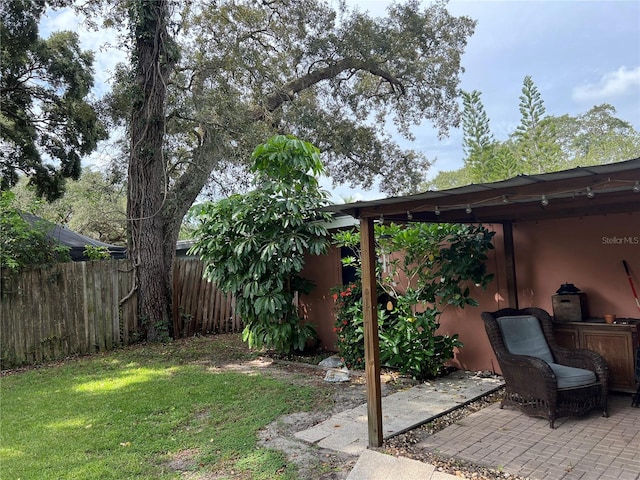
313	462
183	460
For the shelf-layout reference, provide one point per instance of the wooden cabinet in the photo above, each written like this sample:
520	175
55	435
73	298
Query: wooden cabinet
617	343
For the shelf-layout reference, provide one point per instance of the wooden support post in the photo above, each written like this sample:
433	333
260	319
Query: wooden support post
510	264
371	339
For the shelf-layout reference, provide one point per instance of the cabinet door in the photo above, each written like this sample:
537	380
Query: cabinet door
616	348
566	337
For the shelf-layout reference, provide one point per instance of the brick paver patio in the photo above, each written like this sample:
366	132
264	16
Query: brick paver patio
591	448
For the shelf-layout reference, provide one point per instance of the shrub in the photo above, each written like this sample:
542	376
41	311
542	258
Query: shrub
437	260
349	324
254	245
96	253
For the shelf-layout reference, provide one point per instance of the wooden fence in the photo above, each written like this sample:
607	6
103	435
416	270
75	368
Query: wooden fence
84	307
199	306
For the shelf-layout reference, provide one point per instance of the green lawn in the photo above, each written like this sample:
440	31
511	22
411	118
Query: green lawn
145	412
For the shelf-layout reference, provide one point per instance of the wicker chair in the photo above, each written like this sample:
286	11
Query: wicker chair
541	378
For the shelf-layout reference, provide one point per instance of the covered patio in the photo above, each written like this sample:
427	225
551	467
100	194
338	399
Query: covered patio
588	192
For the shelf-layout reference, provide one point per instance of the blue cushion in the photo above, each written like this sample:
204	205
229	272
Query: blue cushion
523	335
569	377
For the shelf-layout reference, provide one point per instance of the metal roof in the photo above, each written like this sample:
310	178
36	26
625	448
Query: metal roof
582	191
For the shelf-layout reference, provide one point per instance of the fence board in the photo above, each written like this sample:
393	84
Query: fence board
59	349
115	297
47	310
126	301
103	339
198	321
37	317
77	308
176	295
218	309
189	316
68	316
20	327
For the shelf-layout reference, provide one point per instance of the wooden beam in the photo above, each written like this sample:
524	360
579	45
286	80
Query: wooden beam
371	339
510	264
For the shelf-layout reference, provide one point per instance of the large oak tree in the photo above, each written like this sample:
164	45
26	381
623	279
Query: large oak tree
211	81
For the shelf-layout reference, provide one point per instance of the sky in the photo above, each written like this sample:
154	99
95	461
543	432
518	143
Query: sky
578	53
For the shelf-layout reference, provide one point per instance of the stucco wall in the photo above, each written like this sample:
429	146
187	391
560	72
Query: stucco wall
476	354
587	252
326	272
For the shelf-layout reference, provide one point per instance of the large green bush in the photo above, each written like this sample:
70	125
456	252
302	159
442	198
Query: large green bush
254	245
436	261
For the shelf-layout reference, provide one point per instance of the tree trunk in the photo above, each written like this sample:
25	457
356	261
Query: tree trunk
151	256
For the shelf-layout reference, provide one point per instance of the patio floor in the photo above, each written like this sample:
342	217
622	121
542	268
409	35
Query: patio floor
590	448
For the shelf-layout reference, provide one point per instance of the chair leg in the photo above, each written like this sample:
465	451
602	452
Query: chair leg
635	401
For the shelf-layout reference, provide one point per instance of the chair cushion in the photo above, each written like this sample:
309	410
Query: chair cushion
523	335
569	377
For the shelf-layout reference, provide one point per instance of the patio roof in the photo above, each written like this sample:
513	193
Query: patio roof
582	191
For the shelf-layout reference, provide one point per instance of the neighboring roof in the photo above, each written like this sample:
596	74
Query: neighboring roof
582	191
183	246
75	241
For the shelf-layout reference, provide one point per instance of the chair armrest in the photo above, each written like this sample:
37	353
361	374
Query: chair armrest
529	376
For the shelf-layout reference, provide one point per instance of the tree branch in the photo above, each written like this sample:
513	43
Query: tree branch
289	90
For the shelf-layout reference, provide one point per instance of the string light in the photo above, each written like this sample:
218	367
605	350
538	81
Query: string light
514	198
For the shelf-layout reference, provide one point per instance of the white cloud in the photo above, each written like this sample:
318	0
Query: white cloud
611	84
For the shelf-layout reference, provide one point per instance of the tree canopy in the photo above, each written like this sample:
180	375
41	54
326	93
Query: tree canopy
248	70
47	122
94	205
21	244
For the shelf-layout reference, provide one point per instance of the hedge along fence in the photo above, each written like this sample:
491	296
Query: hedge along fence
72	308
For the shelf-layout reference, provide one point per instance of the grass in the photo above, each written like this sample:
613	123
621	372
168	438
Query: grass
145	412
